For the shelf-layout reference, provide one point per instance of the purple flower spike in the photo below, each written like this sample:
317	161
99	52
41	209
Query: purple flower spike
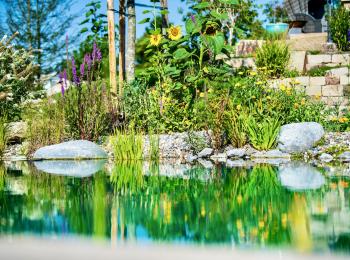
65	77
82	70
193	18
96	53
74	72
349	35
88	61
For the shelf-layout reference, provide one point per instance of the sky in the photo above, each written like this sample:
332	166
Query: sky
78	8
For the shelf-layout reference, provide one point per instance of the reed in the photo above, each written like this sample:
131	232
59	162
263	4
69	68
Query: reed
3	135
127	146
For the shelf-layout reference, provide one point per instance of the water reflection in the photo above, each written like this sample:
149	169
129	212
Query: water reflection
246	207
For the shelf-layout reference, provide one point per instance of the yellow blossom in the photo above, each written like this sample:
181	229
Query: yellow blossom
303	101
333	185
201	94
174	33
282	87
238	107
296	105
343	184
259	83
210	90
237	84
202	211
240	73
343	120
155	39
253	73
268	98
261	224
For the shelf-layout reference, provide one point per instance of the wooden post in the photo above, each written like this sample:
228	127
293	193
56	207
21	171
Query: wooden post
130	52
111	44
165	17
121	45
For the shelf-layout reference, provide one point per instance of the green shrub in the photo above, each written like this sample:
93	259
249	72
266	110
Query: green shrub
273	57
154	147
263	135
127	145
46	124
3	135
17	79
339	23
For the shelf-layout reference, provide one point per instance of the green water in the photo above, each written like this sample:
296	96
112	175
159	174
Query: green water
145	203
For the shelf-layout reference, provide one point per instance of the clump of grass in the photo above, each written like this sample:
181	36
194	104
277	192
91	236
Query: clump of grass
127	145
127	177
154	147
3	135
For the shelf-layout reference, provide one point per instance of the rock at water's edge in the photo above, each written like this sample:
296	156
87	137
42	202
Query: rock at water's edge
72	150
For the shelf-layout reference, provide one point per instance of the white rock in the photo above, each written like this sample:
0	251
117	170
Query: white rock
206	152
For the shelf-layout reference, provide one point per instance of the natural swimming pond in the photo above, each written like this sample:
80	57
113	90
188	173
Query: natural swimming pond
293	207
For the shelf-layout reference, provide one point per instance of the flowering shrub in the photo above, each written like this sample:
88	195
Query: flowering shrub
16	77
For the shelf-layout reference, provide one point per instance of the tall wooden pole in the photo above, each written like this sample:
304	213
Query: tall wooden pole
111	45
165	17
130	52
121	45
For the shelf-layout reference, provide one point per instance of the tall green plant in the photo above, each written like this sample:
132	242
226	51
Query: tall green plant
273	57
263	135
127	145
3	135
339	24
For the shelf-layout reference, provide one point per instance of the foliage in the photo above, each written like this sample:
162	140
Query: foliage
196	141
41	26
274	57
46	124
275	12
263	135
16	77
339	23
127	146
154	147
3	135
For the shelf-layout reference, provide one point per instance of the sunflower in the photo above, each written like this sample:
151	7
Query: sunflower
174	33
155	39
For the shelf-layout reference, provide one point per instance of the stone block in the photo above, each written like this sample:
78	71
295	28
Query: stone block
297	61
247	47
338	72
304	81
313	90
332	91
344	80
314	60
317	81
335	101
342	59
332	80
346	90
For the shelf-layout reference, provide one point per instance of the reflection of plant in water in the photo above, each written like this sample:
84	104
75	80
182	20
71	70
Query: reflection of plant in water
2	177
126	177
100	205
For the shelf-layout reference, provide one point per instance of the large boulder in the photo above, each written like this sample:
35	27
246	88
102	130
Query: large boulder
72	150
299	137
299	176
82	168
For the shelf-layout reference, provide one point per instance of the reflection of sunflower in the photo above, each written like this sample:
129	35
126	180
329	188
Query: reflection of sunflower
174	32
155	39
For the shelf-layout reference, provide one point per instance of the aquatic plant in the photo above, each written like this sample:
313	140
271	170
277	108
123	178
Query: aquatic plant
127	145
3	135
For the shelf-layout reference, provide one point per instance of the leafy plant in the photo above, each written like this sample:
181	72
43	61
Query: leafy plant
127	145
196	141
17	79
339	24
273	57
263	135
154	147
3	135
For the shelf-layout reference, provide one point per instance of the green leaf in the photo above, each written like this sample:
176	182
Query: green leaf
146	20
181	53
229	2
84	21
84	30
164	12
202	5
146	11
89	13
192	27
219	16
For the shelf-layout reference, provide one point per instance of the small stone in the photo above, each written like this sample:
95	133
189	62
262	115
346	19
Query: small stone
271	154
190	158
206	164
326	157
206	152
344	157
332	80
16	132
236	152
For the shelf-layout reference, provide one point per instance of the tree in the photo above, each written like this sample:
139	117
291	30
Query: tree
111	41
275	12
42	26
121	45
130	54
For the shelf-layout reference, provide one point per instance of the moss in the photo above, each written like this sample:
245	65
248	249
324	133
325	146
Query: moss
336	149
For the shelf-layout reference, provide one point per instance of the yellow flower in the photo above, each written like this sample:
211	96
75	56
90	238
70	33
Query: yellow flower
155	39
303	101
261	224
237	84
296	105
282	87
268	98
240	73
174	33
238	107
253	73
201	94
210	90
343	120
259	83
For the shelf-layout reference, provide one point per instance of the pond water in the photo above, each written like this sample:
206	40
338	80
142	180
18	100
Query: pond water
293	207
